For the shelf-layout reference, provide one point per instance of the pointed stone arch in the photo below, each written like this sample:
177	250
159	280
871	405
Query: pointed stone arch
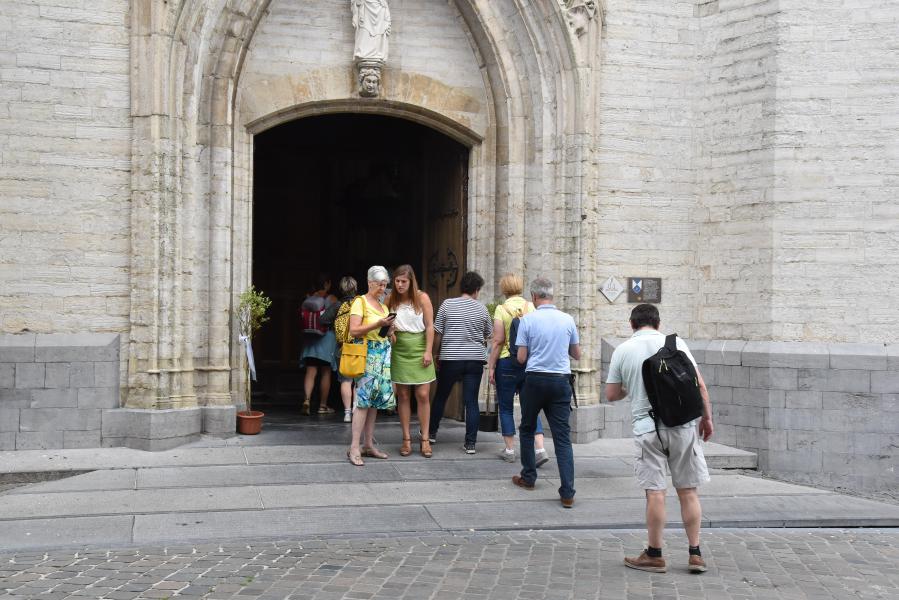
531	176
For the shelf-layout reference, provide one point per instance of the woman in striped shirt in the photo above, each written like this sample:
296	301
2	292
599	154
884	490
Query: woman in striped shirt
463	327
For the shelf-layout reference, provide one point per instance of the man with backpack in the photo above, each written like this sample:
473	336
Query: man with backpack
671	411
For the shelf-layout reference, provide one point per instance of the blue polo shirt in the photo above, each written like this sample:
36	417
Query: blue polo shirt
547	333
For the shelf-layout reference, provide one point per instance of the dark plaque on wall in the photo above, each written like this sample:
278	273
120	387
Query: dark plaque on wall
644	289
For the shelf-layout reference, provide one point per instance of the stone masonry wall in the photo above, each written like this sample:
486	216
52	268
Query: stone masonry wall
54	389
65	160
825	414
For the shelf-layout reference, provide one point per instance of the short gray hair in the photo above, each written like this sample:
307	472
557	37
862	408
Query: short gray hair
542	288
348	286
378	273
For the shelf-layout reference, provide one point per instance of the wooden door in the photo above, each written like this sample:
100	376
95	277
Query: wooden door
446	185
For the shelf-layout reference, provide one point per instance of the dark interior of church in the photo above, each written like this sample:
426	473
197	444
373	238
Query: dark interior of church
333	195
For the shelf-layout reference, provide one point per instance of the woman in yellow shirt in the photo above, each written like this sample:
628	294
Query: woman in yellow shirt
374	389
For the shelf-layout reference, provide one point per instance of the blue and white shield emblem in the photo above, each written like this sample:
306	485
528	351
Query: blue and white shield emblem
637	286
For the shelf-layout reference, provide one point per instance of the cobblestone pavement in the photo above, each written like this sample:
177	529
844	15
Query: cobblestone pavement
753	563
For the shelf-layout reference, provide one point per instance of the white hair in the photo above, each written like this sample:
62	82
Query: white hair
378	273
542	288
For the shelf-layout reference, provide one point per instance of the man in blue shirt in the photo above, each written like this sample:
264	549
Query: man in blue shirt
547	339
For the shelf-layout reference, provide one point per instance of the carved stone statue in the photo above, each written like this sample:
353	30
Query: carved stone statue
371	18
580	13
369	81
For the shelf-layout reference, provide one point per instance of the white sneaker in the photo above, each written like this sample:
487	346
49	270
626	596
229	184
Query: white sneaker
542	458
507	455
347	416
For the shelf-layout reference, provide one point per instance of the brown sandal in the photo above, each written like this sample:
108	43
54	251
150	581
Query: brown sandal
305	409
355	459
406	448
374	453
426	449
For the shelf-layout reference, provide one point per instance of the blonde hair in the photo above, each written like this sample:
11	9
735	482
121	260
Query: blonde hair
511	285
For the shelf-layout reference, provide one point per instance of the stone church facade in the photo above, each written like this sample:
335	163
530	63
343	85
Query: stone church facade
743	151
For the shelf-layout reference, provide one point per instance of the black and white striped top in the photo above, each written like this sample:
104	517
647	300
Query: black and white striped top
464	326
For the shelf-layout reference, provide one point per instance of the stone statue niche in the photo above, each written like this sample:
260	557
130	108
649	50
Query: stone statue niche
371	20
580	13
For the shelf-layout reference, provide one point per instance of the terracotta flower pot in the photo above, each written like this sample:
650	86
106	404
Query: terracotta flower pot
249	423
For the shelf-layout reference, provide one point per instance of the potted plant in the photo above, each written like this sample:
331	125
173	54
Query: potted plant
250	317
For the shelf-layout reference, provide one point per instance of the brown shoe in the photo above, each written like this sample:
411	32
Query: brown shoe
567	502
406	448
696	564
644	562
517	480
425	448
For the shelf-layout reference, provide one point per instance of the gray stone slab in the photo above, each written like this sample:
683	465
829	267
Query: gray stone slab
38	440
872	357
799	511
81	439
81	374
98	397
96	481
15	398
17	348
886	382
57	398
69	504
724	352
7	376
832	380
265	474
72	347
116	458
7	440
9	419
29	376
59	419
280	523
106	374
608	346
60	533
57	375
795	355
219	420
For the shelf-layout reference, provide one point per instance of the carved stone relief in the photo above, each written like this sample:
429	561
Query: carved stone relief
580	13
371	20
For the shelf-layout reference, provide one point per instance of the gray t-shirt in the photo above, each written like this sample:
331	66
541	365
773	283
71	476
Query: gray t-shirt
626	368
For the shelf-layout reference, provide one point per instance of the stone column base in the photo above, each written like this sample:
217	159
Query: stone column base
154	430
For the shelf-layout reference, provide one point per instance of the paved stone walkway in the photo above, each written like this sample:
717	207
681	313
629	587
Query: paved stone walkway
755	563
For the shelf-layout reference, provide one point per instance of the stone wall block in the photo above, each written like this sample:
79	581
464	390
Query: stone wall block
886	382
698	349
81	374
7	440
831	380
9	419
743	416
759	397
724	352
38	440
804	461
72	347
17	347
59	419
732	376
795	355
81	439
15	398
219	420
893	357
774	378
804	399
858	421
57	375
791	419
57	398
7	376
29	376
106	374
852	402
871	357
98	397
720	395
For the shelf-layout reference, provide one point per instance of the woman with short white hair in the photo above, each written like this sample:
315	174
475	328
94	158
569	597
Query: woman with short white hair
374	389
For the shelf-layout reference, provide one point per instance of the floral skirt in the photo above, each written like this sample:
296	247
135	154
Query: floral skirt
374	388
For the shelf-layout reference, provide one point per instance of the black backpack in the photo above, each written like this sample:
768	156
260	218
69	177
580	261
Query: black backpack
672	386
513	331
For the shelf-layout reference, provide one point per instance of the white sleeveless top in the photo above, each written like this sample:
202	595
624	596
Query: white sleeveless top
407	320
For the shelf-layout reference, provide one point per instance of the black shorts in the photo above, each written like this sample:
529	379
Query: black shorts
311	361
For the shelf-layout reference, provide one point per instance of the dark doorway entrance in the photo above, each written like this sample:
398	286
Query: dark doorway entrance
334	195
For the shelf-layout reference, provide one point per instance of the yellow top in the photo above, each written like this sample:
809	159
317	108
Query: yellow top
370	316
516	306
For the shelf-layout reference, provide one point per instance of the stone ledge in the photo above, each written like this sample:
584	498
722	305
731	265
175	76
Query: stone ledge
151	429
220	421
76	347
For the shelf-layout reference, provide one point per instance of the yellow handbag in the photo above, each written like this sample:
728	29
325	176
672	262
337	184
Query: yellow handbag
354	354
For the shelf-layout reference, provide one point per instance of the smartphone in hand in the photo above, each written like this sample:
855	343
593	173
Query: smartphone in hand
383	331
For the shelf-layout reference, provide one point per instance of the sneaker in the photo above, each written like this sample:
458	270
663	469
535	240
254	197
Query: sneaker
542	458
696	564
347	416
432	437
469	448
644	562
507	455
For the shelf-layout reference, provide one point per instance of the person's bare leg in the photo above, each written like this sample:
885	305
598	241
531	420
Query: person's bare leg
691	513
371	414
324	387
346	394
360	419
655	516
404	408
423	402
538	442
308	386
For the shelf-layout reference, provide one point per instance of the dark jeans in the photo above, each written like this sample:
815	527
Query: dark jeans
552	395
469	372
509	378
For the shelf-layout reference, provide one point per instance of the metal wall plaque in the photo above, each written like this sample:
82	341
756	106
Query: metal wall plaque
644	289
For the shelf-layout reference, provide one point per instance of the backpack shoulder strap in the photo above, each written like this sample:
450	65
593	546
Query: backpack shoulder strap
671	342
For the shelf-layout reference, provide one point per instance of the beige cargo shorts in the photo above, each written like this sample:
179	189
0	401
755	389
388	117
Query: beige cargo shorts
685	460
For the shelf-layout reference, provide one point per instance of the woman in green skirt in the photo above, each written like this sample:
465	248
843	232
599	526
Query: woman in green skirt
412	364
